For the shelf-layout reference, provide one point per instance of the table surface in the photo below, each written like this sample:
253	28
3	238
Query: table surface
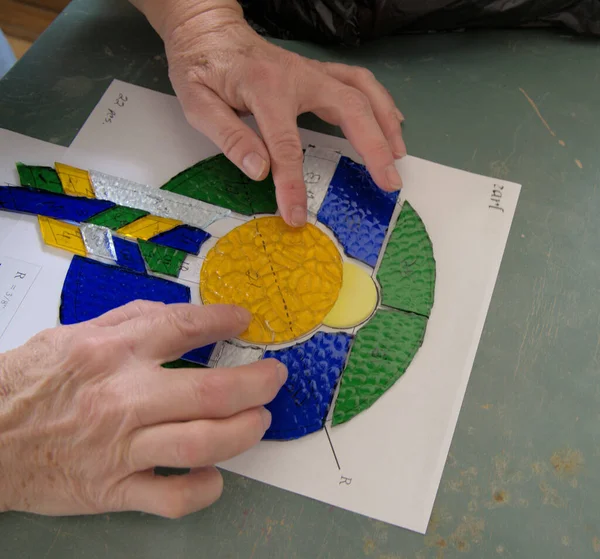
522	477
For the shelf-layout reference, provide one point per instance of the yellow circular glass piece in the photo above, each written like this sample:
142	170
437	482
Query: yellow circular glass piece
288	278
357	299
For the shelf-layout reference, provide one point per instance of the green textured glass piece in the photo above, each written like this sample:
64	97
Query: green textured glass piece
218	181
161	259
407	271
182	364
380	355
117	217
42	178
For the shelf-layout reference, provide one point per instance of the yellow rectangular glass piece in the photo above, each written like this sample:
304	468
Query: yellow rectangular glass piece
62	235
147	227
75	182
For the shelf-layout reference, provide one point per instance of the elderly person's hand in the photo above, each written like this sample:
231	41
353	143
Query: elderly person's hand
220	68
87	412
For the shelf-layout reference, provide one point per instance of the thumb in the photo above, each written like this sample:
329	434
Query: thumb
209	114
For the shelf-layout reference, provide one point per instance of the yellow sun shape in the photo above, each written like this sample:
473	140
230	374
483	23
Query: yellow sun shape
288	278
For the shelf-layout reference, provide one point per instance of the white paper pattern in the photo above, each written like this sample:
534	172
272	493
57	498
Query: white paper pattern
16	278
393	453
190	269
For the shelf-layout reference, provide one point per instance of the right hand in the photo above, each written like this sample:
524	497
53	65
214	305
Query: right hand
87	412
220	67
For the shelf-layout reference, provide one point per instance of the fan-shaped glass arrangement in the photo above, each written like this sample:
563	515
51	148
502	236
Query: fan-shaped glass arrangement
343	302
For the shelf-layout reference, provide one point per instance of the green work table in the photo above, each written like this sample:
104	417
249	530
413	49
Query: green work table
523	475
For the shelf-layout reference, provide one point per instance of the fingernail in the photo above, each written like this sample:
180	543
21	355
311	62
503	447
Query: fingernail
243	314
400	116
254	166
298	216
266	417
393	178
282	371
398	147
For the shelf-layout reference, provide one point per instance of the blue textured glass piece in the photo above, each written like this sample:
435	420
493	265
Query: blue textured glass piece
200	355
49	204
183	237
93	288
314	368
129	255
357	211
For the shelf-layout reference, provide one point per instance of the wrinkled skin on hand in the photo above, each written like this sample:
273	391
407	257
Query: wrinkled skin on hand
87	412
220	68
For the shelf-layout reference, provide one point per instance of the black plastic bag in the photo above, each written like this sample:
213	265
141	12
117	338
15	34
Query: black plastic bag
351	22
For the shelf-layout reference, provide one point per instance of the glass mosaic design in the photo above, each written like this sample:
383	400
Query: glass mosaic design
343	302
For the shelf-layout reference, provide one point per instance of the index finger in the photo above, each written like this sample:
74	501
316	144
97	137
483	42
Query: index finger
279	129
166	336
